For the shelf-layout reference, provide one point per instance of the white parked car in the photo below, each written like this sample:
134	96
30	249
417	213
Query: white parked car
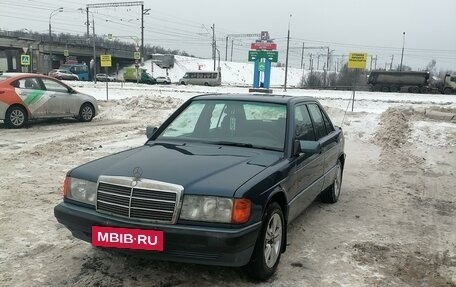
163	80
105	78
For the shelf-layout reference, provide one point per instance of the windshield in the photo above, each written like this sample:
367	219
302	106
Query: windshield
225	122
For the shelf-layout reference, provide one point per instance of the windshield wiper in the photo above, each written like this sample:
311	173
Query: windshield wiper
227	143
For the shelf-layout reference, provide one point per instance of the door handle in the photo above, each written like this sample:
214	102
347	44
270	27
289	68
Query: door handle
52	96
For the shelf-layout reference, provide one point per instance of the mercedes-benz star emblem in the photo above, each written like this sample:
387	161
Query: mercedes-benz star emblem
137	173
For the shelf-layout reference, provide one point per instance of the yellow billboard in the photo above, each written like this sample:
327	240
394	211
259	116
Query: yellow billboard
357	60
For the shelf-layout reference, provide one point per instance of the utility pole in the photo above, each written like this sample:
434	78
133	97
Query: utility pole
226	48
232	42
318	62
376	58
88	23
302	55
327	68
391	65
311	62
370	66
402	54
286	59
214	47
142	33
94	52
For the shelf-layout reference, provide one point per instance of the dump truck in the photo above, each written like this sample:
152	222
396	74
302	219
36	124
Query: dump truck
138	76
449	84
387	81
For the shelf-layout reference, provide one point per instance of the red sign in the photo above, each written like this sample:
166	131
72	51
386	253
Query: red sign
127	238
263	46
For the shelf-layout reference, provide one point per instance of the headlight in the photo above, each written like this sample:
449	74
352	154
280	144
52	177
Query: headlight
215	209
80	190
207	208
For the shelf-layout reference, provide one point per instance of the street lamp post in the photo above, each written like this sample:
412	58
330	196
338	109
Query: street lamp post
58	10
402	54
286	59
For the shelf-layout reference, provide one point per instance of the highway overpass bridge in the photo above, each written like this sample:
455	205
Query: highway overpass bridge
11	47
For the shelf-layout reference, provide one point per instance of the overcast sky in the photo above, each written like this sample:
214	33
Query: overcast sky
374	27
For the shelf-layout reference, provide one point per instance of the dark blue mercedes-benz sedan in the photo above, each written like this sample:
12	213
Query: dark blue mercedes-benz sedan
217	183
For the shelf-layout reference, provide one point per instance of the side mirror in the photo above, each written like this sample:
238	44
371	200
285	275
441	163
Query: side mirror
150	130
310	147
71	91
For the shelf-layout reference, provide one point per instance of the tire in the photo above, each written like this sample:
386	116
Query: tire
424	90
206	84
16	117
86	113
376	88
183	83
413	90
385	89
332	193
394	89
271	237
447	91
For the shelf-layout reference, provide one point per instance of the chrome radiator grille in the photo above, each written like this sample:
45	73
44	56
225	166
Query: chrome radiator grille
145	200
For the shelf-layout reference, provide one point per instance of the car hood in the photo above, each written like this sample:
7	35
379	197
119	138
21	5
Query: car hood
200	168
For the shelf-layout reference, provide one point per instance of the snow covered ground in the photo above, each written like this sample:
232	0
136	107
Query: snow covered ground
393	226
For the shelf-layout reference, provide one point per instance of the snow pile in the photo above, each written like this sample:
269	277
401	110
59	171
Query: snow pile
137	107
393	129
233	73
434	134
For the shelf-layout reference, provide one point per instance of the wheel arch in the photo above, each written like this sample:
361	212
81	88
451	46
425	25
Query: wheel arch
91	104
279	196
342	160
29	114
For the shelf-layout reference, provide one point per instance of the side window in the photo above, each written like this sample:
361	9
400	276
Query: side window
329	126
319	122
303	125
54	86
27	83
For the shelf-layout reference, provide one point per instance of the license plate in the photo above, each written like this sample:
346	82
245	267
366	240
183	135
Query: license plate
126	238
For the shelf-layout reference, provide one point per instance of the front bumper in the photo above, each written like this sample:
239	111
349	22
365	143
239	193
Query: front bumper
182	243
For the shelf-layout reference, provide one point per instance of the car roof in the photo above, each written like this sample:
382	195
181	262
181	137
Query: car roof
256	97
11	77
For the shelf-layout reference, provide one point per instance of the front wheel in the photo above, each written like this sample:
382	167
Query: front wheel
332	193
268	247
86	113
447	91
16	117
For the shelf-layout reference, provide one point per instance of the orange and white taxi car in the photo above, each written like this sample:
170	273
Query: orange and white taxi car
24	97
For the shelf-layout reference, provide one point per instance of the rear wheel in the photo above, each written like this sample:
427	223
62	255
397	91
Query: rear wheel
394	89
183	83
447	91
206	84
268	247
86	113
331	194
16	117
385	89
413	90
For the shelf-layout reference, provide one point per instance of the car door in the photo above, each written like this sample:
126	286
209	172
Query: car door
307	178
33	95
329	139
60	102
